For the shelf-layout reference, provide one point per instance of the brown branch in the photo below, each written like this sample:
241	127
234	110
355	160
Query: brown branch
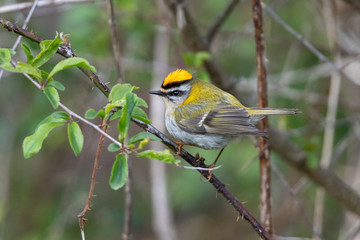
264	151
81	215
220	21
115	40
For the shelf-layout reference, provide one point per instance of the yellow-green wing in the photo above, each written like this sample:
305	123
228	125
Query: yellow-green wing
223	119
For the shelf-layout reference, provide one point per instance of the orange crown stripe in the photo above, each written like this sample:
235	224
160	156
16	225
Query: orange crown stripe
177	76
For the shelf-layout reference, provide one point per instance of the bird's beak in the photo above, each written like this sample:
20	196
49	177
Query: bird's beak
160	93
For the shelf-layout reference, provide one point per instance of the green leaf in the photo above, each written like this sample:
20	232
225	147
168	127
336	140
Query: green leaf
140	114
52	95
5	55
91	113
59	117
119	172
141	103
118	93
200	57
141	136
163	156
32	144
23	68
116	115
71	62
113	147
56	84
125	118
48	49
76	138
28	54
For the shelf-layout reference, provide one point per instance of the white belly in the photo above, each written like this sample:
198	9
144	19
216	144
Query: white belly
206	141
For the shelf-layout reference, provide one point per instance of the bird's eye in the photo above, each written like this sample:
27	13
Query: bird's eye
176	93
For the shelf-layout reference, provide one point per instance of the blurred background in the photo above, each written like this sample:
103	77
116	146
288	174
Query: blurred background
41	197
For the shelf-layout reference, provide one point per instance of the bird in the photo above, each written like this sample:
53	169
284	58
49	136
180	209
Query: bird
198	113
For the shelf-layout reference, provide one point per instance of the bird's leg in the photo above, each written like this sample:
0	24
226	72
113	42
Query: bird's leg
213	164
180	144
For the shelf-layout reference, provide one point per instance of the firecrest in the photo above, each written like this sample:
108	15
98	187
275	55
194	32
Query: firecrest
200	114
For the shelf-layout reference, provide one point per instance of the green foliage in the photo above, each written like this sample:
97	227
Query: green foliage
119	172
70	62
114	147
141	136
91	113
48	49
32	144
163	156
27	52
76	138
5	55
52	95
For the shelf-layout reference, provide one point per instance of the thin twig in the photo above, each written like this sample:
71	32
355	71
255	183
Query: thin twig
24	26
220	21
115	40
308	45
82	215
44	3
264	151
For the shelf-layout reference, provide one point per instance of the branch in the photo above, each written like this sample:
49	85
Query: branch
194	161
81	215
264	151
220	21
115	40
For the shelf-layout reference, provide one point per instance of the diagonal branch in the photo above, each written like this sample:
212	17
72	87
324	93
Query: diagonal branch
220	21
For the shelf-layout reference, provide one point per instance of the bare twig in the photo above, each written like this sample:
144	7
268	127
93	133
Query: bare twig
24	26
115	40
308	45
44	3
264	151
82	215
220	21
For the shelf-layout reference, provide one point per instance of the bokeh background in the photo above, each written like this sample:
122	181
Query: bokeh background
41	197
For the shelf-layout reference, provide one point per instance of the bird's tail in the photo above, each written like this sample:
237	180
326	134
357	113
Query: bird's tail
272	111
258	113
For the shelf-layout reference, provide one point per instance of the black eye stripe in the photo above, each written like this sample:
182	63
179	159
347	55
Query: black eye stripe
175	93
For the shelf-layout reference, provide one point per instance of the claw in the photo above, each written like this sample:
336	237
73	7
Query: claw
180	145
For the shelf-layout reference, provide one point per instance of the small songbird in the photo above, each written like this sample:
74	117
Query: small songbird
201	114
